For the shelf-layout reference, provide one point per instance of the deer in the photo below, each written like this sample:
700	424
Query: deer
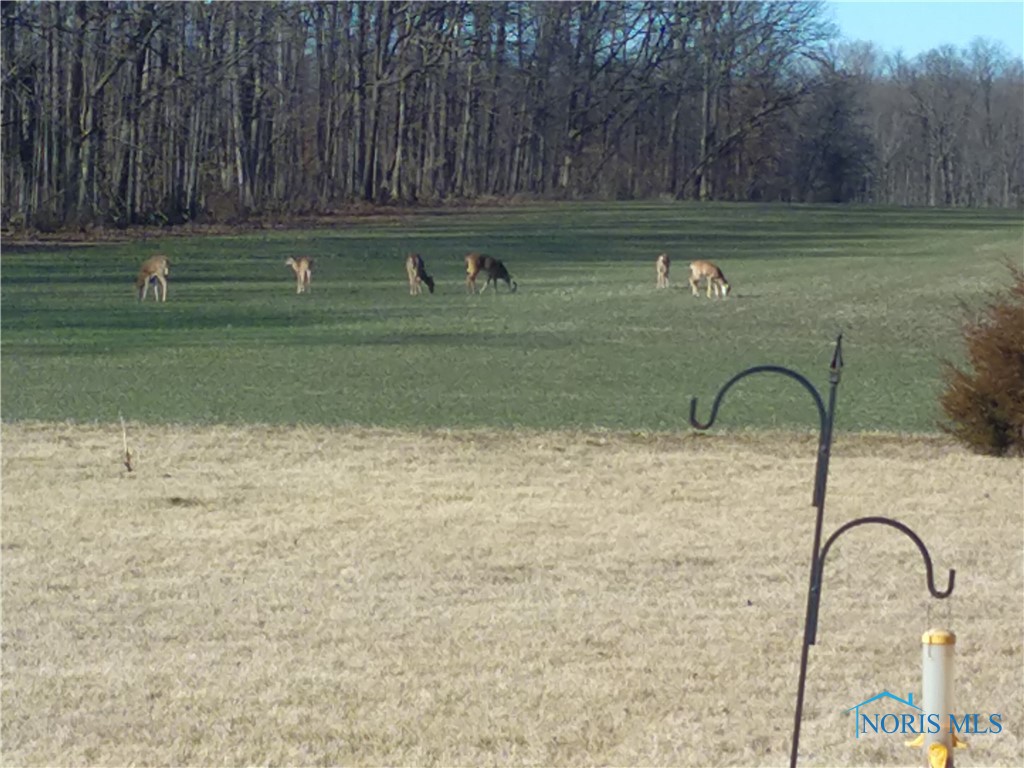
705	270
494	268
661	266
496	271
303	269
417	272
154	270
474	263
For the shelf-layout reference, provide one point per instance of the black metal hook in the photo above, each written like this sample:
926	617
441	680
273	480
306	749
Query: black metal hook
811	628
824	423
750	372
929	569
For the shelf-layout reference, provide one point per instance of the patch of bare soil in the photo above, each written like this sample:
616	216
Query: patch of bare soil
381	215
366	597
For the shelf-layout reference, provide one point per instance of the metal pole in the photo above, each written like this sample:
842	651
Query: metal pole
819	552
820	482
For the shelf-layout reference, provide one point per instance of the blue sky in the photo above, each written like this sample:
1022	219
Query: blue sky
916	27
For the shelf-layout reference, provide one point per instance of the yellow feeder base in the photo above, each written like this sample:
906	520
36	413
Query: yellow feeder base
938	756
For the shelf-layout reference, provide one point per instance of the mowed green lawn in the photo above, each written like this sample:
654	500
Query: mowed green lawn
586	342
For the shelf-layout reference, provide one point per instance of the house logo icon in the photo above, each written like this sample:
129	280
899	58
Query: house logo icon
909	702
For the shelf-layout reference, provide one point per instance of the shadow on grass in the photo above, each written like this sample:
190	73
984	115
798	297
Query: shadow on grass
299	340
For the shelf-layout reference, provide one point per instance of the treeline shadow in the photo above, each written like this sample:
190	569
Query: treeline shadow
299	338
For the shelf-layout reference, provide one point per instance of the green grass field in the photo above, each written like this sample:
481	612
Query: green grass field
586	342
313	594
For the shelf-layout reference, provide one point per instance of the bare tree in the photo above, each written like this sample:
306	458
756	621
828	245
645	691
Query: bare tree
153	112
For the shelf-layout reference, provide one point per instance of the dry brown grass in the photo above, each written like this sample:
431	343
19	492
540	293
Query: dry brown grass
362	597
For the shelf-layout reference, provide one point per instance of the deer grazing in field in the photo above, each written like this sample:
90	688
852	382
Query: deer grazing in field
705	270
303	269
417	272
496	271
493	268
661	267
154	270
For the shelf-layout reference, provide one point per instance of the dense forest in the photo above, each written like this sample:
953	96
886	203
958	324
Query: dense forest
122	113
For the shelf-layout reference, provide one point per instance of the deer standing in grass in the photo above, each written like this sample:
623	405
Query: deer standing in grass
474	263
417	272
495	269
154	270
661	267
705	270
303	269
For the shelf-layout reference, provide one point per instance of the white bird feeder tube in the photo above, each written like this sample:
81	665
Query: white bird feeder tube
937	650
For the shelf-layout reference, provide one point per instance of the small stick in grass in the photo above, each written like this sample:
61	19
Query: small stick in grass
127	450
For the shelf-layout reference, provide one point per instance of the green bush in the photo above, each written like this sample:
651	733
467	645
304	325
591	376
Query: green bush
985	405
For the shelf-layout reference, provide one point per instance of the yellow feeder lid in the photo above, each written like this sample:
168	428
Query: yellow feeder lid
938	637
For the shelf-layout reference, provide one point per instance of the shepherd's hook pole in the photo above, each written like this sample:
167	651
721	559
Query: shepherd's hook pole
819	553
825	420
820	481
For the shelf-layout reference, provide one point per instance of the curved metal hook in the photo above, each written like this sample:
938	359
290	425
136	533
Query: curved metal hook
811	627
750	372
930	573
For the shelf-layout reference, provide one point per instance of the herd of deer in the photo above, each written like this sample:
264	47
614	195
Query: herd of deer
155	269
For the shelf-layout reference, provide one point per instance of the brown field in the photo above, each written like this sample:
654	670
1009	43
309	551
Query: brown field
368	597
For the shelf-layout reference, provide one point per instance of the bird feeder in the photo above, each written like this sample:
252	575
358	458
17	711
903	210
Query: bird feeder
938	647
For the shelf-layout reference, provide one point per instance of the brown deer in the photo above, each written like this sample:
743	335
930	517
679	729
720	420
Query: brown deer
154	270
496	271
661	268
494	268
474	263
705	270
303	269
417	272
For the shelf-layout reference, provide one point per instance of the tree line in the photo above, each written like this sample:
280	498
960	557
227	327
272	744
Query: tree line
139	112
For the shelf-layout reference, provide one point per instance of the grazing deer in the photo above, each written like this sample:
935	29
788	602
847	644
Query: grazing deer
716	280
496	271
661	267
417	272
153	270
303	269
